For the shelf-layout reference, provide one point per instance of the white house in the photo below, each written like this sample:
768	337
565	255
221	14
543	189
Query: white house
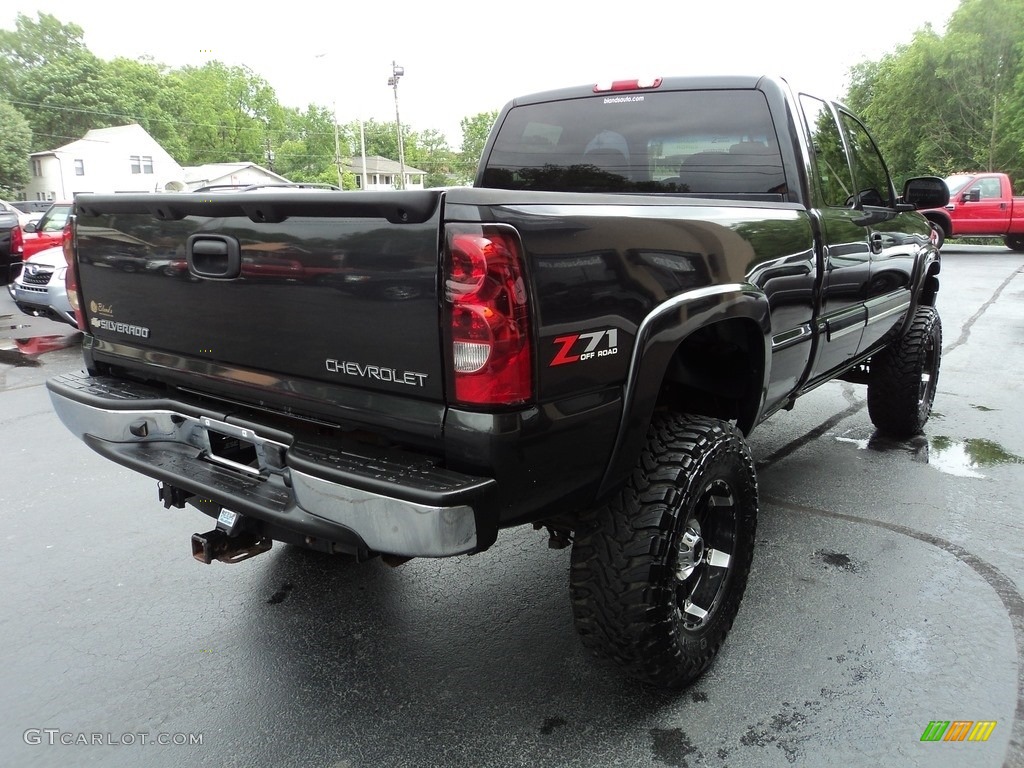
382	173
214	174
120	159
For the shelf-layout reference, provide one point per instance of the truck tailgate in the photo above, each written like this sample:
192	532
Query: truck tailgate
331	287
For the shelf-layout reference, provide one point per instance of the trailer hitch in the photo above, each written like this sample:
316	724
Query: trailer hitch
172	496
217	545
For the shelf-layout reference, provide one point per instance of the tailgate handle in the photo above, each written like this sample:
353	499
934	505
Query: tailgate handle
214	257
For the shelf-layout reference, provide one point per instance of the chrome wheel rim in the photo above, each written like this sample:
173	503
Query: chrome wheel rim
929	373
704	555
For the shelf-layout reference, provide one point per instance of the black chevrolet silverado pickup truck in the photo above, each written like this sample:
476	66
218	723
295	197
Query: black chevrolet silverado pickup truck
641	273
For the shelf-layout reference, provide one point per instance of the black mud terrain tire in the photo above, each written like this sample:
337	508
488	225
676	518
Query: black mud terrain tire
659	571
901	387
1014	242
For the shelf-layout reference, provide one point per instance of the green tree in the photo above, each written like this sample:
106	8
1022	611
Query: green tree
15	144
954	102
900	100
58	82
380	138
212	113
226	114
475	131
433	155
65	99
983	61
305	148
138	92
32	45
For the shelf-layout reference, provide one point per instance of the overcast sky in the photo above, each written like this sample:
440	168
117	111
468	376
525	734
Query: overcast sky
463	58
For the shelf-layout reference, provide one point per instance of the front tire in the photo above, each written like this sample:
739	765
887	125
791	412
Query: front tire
659	571
901	387
1015	243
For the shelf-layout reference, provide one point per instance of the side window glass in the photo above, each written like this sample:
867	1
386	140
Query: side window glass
990	189
60	218
828	155
869	173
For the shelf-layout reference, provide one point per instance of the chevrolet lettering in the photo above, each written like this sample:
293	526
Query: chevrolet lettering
642	272
377	373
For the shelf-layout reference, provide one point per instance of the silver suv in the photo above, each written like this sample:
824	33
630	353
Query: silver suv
38	287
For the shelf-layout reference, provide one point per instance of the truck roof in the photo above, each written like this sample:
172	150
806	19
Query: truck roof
701	82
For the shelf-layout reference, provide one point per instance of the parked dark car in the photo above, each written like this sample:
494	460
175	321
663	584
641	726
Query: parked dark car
10	239
32	206
32	210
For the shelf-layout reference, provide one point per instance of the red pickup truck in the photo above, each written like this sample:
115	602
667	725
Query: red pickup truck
48	232
982	205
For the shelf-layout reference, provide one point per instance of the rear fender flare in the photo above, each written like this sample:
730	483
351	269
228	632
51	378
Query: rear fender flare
657	341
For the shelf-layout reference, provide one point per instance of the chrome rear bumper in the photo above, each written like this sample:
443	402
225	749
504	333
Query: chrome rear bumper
397	504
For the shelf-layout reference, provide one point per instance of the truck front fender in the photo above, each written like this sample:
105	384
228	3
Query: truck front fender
659	338
940	219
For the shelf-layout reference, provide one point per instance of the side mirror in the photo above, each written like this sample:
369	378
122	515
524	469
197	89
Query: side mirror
971	196
30	227
925	192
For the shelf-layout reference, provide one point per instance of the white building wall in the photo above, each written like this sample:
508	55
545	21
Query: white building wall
46	179
377	181
123	159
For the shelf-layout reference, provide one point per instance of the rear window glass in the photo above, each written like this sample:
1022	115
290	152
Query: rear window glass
708	143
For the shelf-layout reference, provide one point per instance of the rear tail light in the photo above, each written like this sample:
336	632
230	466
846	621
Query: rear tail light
628	85
71	278
17	243
488	316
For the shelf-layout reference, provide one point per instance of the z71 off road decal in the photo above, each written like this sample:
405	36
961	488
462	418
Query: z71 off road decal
586	346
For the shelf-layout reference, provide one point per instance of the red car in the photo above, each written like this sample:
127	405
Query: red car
48	231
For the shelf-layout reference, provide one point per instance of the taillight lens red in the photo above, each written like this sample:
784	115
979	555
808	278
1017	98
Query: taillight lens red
71	276
488	313
17	243
628	85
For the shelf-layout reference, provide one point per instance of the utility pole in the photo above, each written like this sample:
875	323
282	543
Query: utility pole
362	150
269	151
337	145
397	72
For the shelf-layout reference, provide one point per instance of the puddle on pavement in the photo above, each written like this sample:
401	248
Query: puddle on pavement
962	458
26	352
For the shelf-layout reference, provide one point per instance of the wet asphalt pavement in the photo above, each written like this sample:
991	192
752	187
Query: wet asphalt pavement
886	593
